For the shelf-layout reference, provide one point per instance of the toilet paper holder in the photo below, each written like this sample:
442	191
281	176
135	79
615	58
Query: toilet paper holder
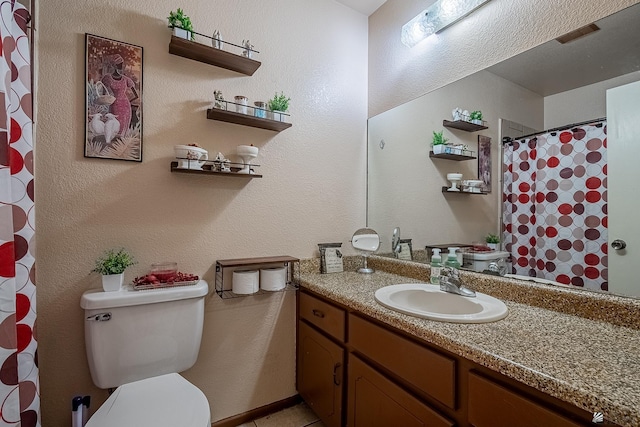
226	267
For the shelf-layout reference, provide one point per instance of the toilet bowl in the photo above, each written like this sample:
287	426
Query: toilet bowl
165	401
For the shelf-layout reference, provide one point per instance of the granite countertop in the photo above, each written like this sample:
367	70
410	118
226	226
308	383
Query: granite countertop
590	363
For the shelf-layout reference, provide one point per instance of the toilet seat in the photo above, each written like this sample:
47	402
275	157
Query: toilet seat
164	401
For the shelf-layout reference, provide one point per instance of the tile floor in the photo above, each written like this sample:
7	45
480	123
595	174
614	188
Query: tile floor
296	416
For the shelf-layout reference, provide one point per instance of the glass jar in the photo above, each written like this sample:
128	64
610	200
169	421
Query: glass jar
260	109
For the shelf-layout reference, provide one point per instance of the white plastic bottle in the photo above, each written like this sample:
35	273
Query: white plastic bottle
452	259
436	265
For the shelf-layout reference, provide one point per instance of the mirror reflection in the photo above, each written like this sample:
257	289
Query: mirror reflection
547	194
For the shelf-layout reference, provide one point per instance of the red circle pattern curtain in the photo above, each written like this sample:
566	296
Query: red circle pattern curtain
19	390
555	206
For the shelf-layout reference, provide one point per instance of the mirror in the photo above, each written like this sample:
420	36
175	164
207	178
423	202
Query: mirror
530	92
366	241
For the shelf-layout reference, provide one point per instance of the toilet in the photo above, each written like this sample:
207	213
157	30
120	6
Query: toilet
138	341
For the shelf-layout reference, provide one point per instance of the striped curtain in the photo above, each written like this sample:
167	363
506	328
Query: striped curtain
19	386
555	206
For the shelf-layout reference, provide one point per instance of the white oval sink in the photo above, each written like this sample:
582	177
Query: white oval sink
428	301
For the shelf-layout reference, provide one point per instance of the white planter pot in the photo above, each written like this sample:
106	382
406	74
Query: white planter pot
476	122
439	149
493	246
182	33
278	116
112	282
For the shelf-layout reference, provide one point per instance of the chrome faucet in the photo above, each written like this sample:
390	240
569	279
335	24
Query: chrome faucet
395	241
450	282
497	268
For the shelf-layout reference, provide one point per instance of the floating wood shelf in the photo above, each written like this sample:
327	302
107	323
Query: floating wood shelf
209	55
225	268
246	120
463	125
446	190
206	170
259	260
448	156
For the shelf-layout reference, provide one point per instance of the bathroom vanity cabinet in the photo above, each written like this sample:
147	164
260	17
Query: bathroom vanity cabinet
392	378
320	362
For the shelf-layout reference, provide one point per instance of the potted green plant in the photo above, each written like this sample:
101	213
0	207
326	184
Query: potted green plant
492	241
476	117
181	24
439	142
112	265
277	105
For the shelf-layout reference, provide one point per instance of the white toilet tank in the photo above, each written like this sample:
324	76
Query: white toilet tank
132	335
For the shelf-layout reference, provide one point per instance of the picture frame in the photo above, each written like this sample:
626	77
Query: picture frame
330	258
484	162
406	250
113	99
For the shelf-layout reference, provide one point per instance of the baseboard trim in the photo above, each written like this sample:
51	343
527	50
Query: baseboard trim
260	412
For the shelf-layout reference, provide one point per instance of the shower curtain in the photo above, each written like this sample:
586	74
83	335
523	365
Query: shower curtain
19	387
555	206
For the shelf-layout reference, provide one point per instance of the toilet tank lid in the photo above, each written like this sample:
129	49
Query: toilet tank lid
98	299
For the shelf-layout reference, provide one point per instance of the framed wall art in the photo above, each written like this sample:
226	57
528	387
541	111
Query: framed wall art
484	162
113	99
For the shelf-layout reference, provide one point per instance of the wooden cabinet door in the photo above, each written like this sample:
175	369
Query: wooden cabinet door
320	374
375	401
492	405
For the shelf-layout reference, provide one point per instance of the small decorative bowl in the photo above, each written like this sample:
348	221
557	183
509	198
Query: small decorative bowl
165	271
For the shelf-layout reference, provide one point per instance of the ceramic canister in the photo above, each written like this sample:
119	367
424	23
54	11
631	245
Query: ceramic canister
241	104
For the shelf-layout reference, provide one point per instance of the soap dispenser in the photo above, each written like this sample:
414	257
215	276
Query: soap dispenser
452	259
436	265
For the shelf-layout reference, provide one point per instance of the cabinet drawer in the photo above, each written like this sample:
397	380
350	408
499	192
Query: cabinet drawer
374	401
428	371
325	316
492	405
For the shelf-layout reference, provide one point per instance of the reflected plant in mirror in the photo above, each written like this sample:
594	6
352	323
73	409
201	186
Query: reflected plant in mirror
438	142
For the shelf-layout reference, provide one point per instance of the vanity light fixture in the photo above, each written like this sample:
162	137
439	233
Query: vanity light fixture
436	18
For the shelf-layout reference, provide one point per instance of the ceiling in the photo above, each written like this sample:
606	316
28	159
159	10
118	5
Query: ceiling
554	67
366	7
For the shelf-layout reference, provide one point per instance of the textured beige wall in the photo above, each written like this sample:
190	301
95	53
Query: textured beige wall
559	109
313	188
498	30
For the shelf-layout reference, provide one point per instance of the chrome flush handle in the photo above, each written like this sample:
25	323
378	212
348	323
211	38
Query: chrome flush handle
100	317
